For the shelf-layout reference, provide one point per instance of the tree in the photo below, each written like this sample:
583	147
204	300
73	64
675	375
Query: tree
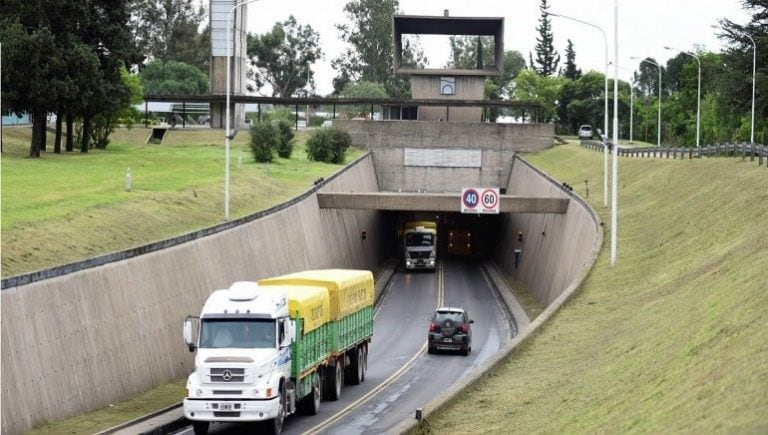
547	57
530	86
362	89
369	56
282	57
168	30
173	78
571	71
43	48
736	84
467	52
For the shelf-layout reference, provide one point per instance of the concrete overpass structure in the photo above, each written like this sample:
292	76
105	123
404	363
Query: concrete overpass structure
442	202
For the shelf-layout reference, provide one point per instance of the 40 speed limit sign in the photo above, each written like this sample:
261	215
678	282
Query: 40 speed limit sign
482	200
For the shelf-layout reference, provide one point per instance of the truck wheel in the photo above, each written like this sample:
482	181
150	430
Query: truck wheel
364	351
334	377
354	374
275	426
310	404
200	427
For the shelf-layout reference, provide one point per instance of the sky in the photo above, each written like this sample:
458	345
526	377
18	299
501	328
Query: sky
644	27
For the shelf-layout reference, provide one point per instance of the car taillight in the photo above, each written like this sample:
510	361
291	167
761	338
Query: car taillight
432	327
465	328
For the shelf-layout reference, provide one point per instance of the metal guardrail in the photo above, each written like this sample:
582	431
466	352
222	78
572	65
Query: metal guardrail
752	151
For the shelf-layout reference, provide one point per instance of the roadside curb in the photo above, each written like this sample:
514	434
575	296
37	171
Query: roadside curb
143	418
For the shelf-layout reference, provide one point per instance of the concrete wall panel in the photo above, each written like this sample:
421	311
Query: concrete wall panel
498	142
556	247
79	341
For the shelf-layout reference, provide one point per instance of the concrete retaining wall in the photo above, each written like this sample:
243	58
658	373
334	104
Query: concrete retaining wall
498	142
556	247
79	341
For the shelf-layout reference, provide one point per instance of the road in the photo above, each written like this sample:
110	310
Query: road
401	375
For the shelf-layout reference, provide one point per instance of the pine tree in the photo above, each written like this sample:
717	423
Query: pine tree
571	71
547	57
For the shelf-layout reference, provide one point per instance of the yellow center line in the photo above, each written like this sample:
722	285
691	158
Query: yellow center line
391	379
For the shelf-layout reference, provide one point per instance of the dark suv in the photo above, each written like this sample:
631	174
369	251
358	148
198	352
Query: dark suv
449	330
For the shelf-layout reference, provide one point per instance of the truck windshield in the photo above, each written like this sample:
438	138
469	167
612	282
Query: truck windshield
419	239
239	333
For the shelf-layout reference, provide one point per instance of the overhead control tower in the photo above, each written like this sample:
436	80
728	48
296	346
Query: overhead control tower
451	83
232	34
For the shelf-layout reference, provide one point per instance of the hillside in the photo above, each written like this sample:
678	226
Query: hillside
67	207
672	339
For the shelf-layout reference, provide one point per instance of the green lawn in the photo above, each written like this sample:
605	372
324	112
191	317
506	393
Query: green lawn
66	207
672	339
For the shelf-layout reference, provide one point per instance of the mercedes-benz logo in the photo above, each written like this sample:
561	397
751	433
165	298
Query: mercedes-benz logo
226	375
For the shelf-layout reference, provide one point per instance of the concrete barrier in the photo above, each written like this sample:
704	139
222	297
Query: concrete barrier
78	341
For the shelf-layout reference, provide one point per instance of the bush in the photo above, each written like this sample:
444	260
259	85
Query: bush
328	145
316	121
285	145
264	140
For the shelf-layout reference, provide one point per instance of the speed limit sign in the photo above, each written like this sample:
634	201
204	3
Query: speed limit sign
489	201
484	200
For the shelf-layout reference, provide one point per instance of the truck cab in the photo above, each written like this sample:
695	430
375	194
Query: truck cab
243	360
420	245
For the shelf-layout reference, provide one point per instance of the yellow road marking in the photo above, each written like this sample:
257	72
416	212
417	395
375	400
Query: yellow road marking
391	379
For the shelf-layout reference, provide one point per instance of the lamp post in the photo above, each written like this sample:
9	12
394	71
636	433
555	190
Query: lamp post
615	173
605	112
754	59
228	133
698	93
658	126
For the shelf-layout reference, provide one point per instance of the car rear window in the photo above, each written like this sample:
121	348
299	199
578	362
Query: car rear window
442	316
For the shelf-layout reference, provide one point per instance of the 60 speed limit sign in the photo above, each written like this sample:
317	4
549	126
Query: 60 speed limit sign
483	200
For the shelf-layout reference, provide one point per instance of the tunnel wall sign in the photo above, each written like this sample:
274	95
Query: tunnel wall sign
480	200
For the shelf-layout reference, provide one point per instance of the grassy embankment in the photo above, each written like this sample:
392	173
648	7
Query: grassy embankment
66	207
673	339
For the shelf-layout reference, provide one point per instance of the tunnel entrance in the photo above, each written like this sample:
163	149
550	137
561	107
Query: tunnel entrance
460	236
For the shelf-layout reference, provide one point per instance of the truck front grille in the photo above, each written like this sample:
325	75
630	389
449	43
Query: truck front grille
227	375
225	414
228	392
419	254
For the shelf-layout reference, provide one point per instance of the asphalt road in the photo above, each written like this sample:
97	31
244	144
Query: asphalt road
401	375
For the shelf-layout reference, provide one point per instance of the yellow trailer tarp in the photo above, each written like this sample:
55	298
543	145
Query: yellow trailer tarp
350	290
313	304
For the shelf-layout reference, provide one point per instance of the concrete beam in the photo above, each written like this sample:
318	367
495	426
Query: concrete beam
446	202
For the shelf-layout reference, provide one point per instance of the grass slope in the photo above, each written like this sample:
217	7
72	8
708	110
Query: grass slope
674	339
66	207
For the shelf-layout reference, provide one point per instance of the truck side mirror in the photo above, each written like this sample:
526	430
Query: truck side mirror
188	334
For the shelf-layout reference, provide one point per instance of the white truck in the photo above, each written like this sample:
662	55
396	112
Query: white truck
267	350
420	245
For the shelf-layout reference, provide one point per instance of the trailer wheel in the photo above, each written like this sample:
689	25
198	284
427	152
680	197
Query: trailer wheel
334	377
200	427
354	374
310	404
364	351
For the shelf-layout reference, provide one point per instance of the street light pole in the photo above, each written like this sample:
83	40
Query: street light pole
615	174
754	60
698	94
658	127
228	133
605	111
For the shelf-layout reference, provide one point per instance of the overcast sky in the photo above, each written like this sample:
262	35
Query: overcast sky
645	27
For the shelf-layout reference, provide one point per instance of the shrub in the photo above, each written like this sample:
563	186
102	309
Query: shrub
285	145
328	145
264	140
